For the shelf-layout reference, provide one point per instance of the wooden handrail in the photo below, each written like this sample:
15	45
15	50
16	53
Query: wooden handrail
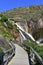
39	59
9	57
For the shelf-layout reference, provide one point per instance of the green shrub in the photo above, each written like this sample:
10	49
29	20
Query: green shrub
4	18
36	47
9	25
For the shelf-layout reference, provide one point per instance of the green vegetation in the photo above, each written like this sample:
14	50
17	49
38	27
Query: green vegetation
5	31
37	48
4	18
9	25
1	50
34	12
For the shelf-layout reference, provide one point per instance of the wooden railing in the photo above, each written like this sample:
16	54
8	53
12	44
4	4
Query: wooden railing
9	54
33	55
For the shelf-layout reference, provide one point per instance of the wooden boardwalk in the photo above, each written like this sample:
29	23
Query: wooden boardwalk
20	58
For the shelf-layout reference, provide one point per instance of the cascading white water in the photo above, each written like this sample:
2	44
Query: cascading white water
30	36
22	35
40	40
25	32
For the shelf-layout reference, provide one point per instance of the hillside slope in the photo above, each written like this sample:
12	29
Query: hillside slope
34	12
32	15
7	32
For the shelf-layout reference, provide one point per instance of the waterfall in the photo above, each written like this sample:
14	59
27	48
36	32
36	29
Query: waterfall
25	32
40	40
30	36
22	36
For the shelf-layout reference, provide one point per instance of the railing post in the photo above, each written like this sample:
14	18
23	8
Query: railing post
29	56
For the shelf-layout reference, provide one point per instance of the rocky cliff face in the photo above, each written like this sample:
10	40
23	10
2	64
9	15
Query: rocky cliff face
34	25
15	34
40	23
31	26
